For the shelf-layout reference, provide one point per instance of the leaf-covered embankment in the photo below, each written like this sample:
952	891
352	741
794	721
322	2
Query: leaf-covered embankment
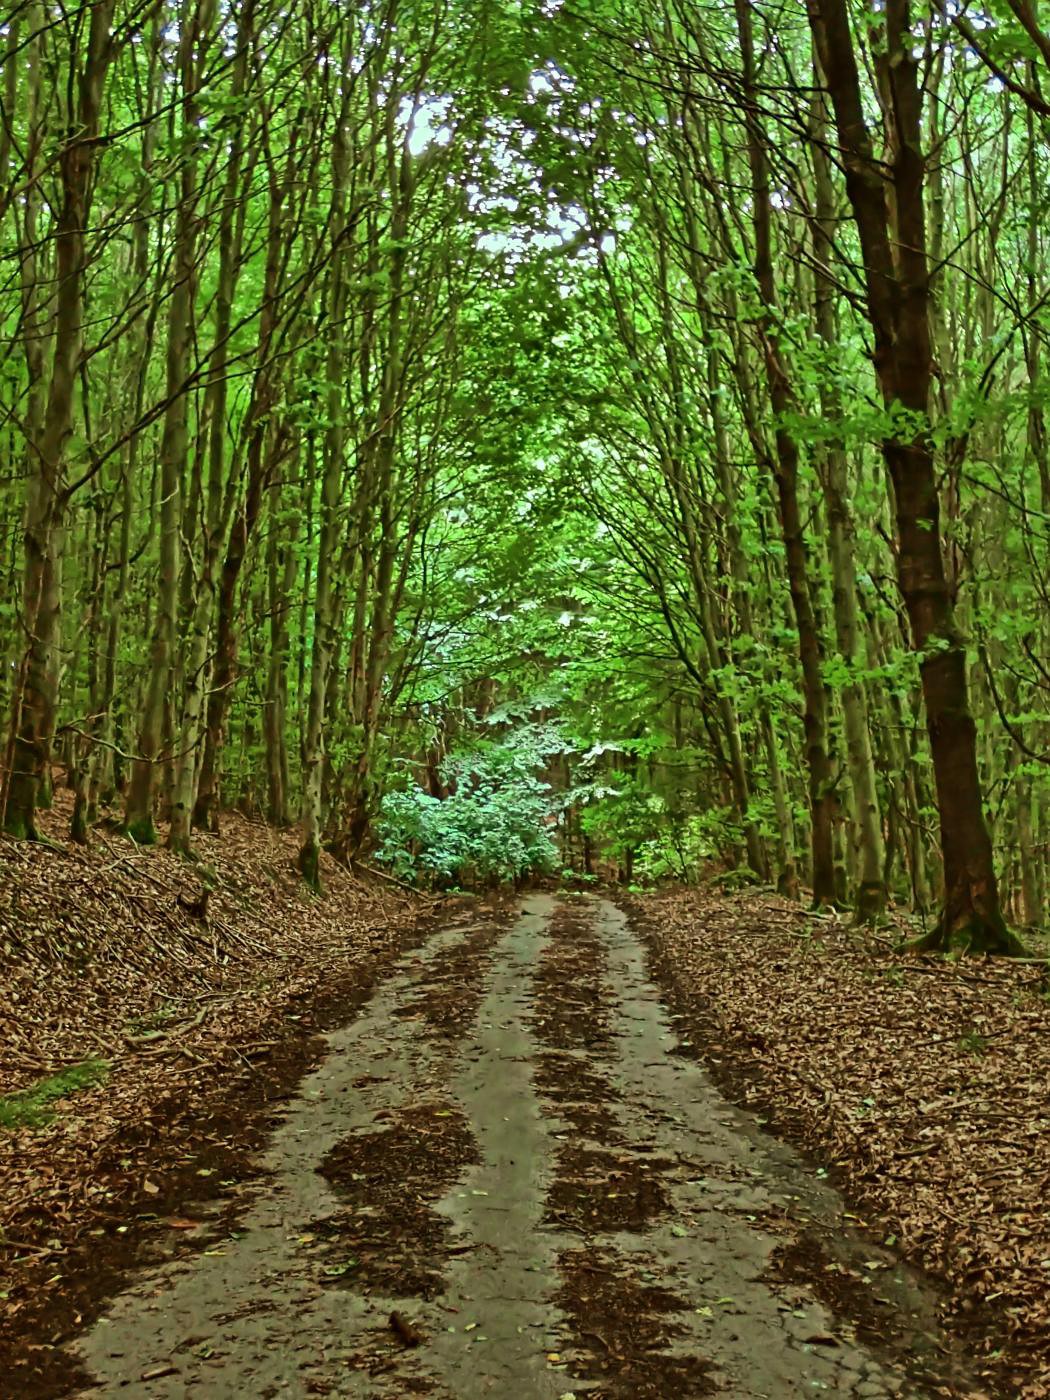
201	1023
922	1085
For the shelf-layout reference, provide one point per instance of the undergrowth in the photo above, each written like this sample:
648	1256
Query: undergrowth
30	1107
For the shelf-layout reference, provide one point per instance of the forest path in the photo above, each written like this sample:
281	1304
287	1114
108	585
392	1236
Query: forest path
508	1178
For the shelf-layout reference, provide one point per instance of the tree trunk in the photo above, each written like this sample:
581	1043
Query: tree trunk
191	764
47	501
328	532
266	441
785	471
282	569
891	227
156	719
832	470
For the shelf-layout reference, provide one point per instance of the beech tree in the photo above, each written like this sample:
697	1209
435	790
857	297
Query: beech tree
891	224
52	328
648	402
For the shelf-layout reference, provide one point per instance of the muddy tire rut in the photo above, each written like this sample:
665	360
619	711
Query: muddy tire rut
505	1179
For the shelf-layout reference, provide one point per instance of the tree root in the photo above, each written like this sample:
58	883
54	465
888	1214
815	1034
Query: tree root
971	935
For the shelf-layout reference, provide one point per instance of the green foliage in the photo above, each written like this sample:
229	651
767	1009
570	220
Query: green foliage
542	391
682	849
493	825
30	1108
622	817
973	1042
626	819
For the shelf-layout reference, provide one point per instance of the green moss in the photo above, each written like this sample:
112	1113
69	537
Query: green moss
142	831
20	827
30	1107
310	866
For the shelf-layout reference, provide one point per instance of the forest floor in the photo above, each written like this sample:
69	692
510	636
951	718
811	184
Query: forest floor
919	1086
373	1147
191	1029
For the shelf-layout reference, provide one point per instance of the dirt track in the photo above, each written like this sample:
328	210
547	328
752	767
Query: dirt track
510	1153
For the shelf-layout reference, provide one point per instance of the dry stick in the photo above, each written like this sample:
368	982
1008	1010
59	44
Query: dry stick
405	1330
587	1332
393	880
238	936
23	1244
963	976
143	874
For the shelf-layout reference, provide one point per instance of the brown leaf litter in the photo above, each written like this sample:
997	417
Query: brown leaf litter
625	1325
204	1023
387	1222
922	1086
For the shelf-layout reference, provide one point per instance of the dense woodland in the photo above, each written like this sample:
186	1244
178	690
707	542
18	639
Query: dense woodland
497	435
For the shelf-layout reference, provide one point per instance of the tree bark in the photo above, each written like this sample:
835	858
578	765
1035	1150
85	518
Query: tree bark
191	763
281	567
890	219
832	470
785	471
138	810
34	724
266	442
323	644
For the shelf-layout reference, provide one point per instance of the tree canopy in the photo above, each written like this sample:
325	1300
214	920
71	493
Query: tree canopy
502	435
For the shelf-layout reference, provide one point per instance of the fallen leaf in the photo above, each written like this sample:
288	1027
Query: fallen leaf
406	1331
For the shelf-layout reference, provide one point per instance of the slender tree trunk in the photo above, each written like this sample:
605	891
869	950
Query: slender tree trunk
323	645
1032	910
45	515
281	567
787	870
832	469
671	436
84	747
189	760
785	472
105	783
266	443
205	814
156	718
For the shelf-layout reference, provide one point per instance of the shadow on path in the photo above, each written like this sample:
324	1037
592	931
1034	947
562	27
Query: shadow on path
505	1180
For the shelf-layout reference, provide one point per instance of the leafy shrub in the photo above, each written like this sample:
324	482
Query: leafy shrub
683	848
621	819
630	820
494	825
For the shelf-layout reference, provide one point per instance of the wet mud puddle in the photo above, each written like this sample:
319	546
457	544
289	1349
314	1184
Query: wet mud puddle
505	1180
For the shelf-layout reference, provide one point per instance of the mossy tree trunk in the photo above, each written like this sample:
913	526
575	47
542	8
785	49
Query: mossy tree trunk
48	498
